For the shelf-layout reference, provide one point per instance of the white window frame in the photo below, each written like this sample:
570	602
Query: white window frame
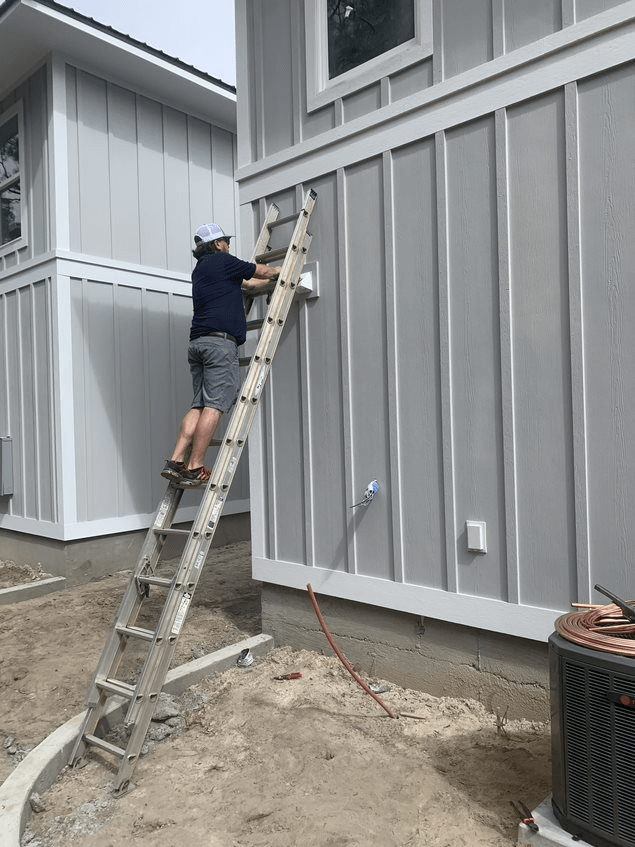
5	117
321	90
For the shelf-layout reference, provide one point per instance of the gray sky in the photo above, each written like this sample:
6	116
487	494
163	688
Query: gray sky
172	26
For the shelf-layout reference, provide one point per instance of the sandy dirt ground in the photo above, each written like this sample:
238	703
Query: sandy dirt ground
247	760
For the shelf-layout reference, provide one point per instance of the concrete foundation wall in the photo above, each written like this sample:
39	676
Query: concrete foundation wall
506	674
92	558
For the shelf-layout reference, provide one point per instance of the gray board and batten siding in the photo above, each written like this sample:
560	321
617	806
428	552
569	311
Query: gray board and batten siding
470	347
95	306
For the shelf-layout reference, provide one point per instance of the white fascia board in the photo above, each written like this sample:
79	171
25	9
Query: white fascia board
477	612
590	47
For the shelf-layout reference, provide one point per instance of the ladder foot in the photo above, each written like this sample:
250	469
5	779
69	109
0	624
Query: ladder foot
123	789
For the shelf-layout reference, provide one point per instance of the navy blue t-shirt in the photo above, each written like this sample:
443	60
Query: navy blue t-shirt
217	297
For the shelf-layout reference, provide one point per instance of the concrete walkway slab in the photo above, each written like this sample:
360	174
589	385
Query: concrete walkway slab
41	767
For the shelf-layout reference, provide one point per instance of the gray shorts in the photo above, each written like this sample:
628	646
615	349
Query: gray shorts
215	372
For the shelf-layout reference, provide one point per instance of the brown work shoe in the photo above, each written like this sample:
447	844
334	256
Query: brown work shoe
192	478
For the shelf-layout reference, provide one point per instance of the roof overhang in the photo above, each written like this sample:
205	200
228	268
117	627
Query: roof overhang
31	30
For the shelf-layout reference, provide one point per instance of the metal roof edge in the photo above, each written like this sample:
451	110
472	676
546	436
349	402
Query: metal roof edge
105	29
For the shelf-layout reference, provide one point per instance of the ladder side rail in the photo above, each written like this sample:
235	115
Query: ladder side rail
126	615
132	600
154	541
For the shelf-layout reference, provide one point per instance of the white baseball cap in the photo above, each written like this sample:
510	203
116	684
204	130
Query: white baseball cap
210	232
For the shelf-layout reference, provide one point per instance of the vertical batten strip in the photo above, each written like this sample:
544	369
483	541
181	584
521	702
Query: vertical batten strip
257	458
498	28
116	332
59	225
64	430
268	419
445	364
259	80
50	387
350	565
150	460
297	58
308	426
21	402
35	406
576	330
568	13
394	482
438	70
507	359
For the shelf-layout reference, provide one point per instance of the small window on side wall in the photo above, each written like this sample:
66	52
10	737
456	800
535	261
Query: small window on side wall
350	45
11	203
362	30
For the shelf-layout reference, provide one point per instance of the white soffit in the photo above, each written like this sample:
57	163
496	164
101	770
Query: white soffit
31	30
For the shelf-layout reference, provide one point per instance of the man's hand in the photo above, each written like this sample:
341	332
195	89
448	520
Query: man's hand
263	280
265	272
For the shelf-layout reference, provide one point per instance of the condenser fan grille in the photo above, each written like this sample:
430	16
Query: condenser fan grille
599	751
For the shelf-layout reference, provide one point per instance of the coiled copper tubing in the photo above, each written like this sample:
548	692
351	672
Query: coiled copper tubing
599	627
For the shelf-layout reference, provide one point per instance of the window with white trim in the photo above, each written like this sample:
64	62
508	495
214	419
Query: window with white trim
352	44
11	205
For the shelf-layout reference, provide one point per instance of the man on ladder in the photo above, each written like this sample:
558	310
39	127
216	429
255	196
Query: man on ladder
142	694
219	327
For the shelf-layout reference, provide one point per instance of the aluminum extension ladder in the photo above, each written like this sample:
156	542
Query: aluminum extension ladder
144	693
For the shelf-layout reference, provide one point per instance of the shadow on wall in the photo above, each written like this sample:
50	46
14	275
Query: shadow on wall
131	386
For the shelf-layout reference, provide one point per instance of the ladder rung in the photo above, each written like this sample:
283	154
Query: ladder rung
136	632
104	745
243	361
113	686
255	324
159	581
280	221
271	256
165	531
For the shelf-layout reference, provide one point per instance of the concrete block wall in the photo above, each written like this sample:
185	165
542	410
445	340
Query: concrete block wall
506	674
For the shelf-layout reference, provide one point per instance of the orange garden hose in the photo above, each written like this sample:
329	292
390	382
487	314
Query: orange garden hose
341	656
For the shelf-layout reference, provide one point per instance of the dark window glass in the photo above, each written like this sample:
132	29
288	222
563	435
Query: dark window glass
10	215
363	29
10	208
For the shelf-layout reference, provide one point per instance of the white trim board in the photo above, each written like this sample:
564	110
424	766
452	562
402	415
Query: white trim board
590	47
104	526
101	269
478	612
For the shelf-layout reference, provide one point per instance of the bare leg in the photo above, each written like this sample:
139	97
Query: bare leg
203	434
186	434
